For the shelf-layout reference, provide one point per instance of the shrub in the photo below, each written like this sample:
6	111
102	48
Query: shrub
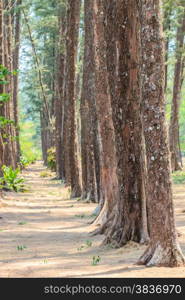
10	179
178	177
24	162
51	158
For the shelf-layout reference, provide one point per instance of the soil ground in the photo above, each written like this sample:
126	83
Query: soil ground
45	234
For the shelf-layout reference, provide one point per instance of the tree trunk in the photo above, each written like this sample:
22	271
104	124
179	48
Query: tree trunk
1	86
89	122
123	59
176	160
167	27
15	79
109	190
73	17
59	104
163	248
10	147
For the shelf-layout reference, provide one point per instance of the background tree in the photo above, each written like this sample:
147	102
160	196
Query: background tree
59	103
176	159
16	50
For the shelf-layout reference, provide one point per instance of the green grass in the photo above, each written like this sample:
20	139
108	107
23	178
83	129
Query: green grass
178	177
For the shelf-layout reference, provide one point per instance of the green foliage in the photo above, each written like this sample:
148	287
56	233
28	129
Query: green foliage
4	97
24	162
30	143
4	122
3	74
178	177
10	179
51	158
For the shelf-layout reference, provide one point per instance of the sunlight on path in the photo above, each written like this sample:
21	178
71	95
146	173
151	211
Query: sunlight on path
45	234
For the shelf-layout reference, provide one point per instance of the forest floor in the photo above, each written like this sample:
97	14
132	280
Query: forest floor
45	234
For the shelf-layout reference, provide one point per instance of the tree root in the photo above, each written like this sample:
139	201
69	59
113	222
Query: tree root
162	256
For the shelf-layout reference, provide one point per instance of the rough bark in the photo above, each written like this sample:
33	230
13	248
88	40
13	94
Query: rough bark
1	86
176	160
109	190
163	248
89	145
59	104
9	140
122	27
15	79
73	16
77	118
167	27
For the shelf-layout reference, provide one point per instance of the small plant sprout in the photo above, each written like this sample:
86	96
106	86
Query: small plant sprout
80	216
22	223
45	261
21	248
81	248
95	260
89	243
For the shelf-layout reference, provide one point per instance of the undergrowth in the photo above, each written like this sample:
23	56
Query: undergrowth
178	177
11	180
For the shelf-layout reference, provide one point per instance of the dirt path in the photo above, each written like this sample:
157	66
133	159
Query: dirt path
44	234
